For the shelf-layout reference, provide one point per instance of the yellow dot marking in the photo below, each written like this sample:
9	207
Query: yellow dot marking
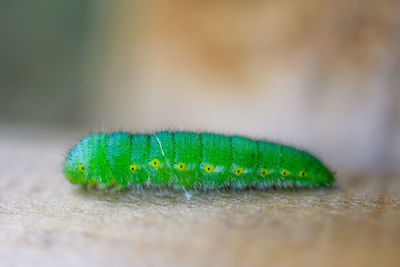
155	163
238	171
181	166
302	174
209	168
264	172
284	172
81	167
133	167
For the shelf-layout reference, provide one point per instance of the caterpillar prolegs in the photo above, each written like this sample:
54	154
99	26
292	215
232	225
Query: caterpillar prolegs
190	160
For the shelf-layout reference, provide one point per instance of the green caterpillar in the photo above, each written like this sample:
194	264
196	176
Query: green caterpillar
190	160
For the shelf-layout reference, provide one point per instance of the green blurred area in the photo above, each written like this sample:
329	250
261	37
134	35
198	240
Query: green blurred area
44	50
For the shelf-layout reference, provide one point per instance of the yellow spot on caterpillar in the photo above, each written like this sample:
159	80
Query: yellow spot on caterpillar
238	170
209	168
133	167
81	167
181	166
264	172
284	172
302	174
155	163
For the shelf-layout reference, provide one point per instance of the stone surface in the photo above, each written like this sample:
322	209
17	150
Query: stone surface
46	221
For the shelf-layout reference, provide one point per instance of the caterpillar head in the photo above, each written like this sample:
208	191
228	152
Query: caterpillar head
82	165
76	164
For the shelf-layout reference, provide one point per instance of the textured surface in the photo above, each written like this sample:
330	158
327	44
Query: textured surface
46	221
190	160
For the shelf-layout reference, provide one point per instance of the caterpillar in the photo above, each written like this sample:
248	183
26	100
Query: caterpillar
190	160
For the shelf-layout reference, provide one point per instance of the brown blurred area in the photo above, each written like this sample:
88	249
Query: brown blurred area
320	75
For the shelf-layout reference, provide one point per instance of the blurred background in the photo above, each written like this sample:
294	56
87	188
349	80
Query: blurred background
321	75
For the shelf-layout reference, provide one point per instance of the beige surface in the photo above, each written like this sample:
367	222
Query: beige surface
46	221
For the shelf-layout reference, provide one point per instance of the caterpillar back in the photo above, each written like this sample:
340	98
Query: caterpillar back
190	160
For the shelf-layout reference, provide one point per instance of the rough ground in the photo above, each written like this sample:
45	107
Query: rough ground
46	221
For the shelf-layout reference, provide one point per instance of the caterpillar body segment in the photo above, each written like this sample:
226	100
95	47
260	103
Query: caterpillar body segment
190	160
